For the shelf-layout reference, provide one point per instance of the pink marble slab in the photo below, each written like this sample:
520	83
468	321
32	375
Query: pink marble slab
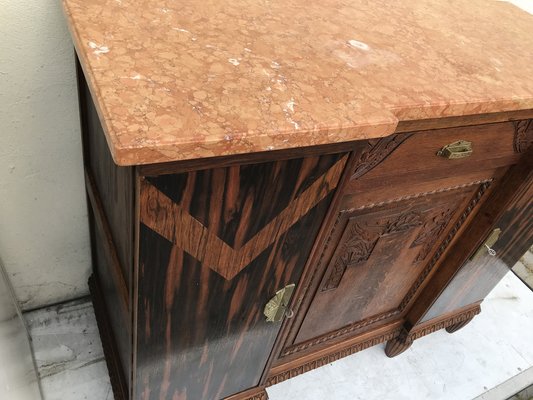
177	80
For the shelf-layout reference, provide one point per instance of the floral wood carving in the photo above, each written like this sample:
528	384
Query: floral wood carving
357	248
426	238
360	243
523	135
376	151
404	222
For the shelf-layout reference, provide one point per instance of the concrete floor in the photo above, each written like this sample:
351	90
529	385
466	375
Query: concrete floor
490	359
524	268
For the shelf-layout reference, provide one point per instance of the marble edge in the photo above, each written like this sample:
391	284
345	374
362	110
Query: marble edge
255	143
188	150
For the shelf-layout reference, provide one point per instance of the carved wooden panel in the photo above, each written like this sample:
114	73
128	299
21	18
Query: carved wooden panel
523	135
375	151
215	246
379	258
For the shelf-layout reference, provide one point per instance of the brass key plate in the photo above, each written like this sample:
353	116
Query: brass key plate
488	243
277	306
459	149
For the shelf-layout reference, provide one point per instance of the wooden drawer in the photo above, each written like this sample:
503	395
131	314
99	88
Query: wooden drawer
413	156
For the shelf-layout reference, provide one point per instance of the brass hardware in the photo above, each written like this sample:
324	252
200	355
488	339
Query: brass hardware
459	149
276	308
488	243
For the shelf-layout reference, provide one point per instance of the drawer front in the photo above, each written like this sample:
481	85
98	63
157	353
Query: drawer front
412	157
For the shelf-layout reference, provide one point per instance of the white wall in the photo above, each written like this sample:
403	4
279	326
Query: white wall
44	240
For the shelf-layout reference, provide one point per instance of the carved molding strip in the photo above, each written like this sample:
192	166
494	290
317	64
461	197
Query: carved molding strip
376	151
399	333
428	236
252	394
416	195
339	332
429	267
523	131
168	219
427	329
259	396
334	356
405	339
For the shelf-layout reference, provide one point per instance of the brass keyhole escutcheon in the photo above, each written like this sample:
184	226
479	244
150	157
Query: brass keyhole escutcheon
276	308
455	150
486	247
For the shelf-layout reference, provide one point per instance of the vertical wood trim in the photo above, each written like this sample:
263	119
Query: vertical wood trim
101	220
135	286
112	358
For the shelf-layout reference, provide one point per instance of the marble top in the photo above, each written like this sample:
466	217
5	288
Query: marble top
177	80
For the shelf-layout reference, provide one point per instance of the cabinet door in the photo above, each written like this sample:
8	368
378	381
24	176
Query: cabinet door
214	247
482	271
377	256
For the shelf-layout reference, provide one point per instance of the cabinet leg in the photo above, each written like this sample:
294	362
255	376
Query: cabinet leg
455	327
398	345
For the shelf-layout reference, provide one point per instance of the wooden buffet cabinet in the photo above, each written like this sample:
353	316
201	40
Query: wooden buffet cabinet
260	207
378	236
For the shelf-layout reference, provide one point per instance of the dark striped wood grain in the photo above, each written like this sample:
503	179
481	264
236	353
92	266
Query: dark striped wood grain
110	198
202	286
478	276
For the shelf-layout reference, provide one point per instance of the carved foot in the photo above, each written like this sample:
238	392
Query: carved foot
455	327
398	345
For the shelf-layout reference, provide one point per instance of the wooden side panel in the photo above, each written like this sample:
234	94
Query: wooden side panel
110	196
215	246
113	287
479	275
115	184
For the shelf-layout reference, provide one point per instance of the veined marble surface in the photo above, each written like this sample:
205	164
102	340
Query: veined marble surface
193	79
489	359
